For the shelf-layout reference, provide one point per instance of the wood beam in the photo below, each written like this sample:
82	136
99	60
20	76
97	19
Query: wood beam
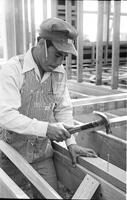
118	121
32	23
104	145
103	103
99	48
32	175
9	189
53	8
107	6
80	41
26	25
74	176
115	44
19	26
44	9
87	188
68	18
9	32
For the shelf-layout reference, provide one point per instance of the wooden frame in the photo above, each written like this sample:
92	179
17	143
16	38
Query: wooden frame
109	189
47	191
99	183
104	145
9	189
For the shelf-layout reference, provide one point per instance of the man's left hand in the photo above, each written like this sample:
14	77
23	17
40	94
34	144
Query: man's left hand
76	150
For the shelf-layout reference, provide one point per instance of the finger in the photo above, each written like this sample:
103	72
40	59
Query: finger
73	158
66	134
68	128
92	155
74	161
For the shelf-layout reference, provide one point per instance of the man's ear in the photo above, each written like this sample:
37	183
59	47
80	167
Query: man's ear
38	38
40	41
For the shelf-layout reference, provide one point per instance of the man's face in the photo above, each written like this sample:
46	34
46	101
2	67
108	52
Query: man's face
54	59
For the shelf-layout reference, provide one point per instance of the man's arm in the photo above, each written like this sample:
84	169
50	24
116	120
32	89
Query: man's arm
64	112
10	101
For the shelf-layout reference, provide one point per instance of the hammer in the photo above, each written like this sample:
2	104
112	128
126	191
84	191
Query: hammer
103	121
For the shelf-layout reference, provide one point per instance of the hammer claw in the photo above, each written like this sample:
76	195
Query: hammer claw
105	120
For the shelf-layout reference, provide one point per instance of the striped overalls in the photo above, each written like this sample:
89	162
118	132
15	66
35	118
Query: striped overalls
37	101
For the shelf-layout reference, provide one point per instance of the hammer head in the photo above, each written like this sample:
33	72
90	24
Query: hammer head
105	120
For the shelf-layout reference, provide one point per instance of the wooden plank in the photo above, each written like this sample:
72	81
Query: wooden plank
99	45
87	188
73	176
19	26
118	121
107	5
91	89
44	9
26	25
32	22
77	95
80	40
9	32
113	174
115	44
53	8
103	145
104	103
9	189
68	11
29	171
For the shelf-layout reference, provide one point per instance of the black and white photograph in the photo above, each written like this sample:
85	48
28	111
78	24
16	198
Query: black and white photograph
63	99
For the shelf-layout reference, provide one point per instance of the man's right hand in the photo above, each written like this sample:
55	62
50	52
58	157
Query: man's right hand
57	132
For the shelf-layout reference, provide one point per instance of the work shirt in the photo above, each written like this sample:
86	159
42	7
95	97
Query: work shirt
11	79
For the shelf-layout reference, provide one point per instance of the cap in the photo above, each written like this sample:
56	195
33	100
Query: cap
61	33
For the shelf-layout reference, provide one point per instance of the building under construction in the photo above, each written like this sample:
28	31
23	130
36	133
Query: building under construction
97	83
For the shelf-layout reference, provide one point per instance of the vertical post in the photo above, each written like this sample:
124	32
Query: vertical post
44	9
106	29
33	32
115	44
19	26
99	48
26	25
9	29
68	19
80	41
53	8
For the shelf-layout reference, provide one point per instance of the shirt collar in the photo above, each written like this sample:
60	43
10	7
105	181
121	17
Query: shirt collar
30	64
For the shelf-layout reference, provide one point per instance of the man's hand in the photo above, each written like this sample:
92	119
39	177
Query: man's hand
57	132
76	150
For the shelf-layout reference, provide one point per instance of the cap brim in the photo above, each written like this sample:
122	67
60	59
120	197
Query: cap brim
65	47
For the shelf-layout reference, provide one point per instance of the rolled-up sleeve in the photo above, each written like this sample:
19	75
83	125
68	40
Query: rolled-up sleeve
10	102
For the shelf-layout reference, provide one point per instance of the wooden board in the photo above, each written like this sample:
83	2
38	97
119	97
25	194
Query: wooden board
103	145
29	171
90	89
103	103
113	174
87	188
74	176
9	189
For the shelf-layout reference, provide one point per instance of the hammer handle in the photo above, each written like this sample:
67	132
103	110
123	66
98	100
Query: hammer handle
86	126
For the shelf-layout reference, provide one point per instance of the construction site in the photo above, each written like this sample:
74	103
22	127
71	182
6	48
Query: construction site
97	84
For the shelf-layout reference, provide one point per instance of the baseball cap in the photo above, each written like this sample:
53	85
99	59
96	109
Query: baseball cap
61	33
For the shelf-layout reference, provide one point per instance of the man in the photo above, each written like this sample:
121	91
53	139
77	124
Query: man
35	106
